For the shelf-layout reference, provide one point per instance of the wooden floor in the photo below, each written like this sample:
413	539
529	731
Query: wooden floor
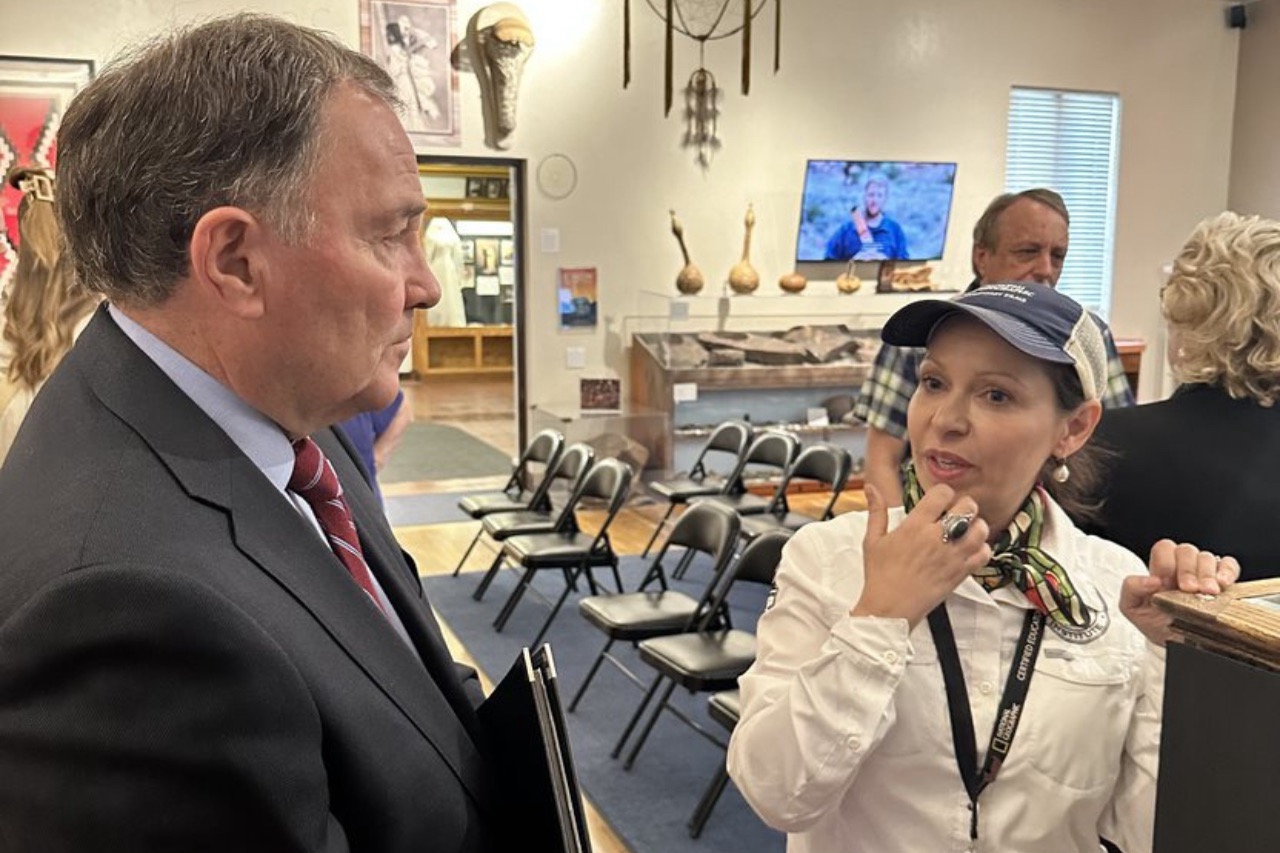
485	407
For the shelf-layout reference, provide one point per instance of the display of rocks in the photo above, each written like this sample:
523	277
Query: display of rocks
824	343
758	349
682	351
726	358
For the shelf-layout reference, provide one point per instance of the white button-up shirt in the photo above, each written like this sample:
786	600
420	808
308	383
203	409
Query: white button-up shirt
845	740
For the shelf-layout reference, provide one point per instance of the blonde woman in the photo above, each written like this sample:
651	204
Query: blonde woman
1201	466
45	309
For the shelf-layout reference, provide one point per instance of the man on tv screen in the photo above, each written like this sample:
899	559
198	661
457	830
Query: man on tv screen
870	235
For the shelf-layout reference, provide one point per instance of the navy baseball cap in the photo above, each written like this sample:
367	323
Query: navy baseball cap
1032	318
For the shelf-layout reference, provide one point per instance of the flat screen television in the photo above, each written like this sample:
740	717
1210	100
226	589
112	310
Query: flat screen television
874	210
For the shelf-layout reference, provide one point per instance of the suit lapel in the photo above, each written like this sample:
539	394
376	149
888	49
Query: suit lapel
267	529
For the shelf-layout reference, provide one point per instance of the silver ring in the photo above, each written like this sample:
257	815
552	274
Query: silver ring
955	526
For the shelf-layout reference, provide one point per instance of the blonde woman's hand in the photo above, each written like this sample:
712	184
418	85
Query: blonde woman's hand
1184	567
912	569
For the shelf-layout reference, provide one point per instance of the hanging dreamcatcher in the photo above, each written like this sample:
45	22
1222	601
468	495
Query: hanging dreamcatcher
703	21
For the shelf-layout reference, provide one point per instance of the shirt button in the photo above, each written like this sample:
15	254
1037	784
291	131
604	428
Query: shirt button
853	742
986	687
890	657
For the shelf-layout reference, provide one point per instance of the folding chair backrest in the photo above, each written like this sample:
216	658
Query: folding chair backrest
758	564
823	463
706	527
570	467
770	448
610	482
732	437
544	450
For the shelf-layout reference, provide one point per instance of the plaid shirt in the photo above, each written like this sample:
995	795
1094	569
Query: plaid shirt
882	403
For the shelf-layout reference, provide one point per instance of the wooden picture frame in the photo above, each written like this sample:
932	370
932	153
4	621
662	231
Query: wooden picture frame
412	41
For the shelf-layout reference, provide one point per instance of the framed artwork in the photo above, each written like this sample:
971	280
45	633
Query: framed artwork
577	298
468	251
412	40
506	252
476	187
495	188
34	93
486	255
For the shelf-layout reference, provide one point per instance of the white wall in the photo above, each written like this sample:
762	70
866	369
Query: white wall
1255	161
917	79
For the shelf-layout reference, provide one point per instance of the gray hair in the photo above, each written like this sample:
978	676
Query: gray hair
986	230
221	114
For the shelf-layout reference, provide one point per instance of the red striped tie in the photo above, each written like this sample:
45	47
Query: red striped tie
316	483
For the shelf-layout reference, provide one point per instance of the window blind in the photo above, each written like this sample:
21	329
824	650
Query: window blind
1068	142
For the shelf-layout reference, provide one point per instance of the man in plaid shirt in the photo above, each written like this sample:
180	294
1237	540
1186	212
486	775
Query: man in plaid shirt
1021	237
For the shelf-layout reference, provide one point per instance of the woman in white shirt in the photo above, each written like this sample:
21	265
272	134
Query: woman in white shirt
978	609
45	309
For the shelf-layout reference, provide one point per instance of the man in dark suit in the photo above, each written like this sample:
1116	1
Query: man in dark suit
196	651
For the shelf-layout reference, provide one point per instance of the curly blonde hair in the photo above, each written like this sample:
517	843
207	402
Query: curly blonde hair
1222	304
45	301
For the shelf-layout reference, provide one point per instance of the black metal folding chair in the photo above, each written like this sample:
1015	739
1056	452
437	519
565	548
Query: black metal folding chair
824	464
521	490
724	708
572	468
704	528
731	438
710	658
573	552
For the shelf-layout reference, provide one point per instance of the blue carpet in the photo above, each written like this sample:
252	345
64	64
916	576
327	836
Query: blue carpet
405	510
649	805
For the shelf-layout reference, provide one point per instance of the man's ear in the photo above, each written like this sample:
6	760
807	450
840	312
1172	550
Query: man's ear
226	260
980	262
1079	427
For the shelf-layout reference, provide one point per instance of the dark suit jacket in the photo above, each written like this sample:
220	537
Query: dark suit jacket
184	664
1199	467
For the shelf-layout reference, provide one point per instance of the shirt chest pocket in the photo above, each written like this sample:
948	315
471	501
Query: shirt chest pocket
1078	710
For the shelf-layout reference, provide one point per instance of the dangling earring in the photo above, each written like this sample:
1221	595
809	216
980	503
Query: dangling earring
1061	473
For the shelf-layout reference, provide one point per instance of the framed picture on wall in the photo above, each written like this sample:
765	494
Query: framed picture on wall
34	93
486	258
577	298
506	252
476	187
412	40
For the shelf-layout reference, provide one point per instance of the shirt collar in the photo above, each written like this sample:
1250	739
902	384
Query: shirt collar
257	436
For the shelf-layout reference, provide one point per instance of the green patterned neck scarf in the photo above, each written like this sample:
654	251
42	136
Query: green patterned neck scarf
1016	559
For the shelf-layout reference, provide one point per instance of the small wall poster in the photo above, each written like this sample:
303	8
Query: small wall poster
577	298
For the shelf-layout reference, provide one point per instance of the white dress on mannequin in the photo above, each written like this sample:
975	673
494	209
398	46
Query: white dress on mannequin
444	255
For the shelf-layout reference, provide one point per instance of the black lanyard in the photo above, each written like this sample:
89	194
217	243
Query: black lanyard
1012	702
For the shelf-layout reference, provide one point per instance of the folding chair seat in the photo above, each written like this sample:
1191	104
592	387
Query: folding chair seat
710	658
820	463
730	438
520	492
724	708
704	528
569	549
573	467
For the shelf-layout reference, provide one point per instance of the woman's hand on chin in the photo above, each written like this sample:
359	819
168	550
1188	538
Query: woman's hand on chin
912	569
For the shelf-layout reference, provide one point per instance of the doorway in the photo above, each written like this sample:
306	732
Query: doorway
467	367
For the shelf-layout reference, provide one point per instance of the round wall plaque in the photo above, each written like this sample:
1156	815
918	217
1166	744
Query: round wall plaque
557	176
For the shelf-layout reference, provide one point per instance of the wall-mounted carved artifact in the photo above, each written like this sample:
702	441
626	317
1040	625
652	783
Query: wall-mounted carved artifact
497	45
